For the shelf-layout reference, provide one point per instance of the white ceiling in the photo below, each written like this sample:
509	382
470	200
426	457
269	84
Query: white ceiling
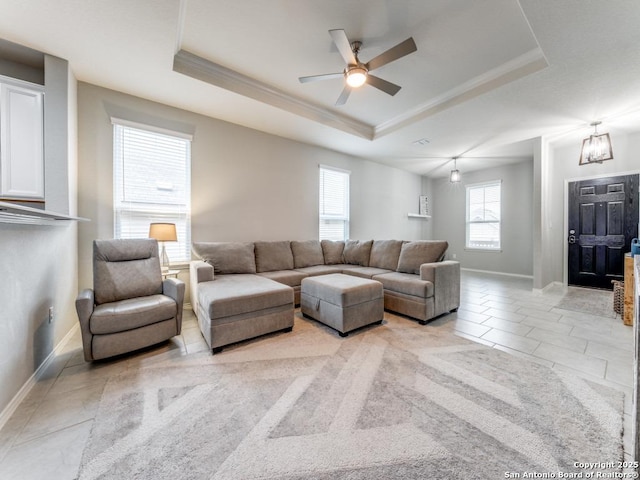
488	76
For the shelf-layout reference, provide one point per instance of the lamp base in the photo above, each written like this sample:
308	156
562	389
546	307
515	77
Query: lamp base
164	259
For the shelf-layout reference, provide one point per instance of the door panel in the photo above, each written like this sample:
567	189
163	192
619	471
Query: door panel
603	218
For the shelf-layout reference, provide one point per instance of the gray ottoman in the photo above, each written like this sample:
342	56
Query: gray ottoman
343	302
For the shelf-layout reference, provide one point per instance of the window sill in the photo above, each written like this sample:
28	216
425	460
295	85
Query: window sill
483	250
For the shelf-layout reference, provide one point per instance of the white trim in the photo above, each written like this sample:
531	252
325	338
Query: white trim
200	68
15	402
519	67
498	273
335	169
482	250
16	82
151	128
545	289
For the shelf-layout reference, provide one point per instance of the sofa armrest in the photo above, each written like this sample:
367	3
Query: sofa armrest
445	277
199	272
174	288
84	307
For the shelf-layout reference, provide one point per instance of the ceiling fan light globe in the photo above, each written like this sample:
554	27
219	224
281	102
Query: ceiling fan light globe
356	77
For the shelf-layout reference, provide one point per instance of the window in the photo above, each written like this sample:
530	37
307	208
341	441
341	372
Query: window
334	204
483	216
152	183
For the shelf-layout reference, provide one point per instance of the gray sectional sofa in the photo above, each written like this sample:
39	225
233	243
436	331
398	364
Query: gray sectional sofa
243	290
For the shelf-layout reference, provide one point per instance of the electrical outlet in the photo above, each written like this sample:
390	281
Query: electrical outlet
50	314
454	256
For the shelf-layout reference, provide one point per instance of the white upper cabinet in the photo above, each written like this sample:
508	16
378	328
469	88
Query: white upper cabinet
21	141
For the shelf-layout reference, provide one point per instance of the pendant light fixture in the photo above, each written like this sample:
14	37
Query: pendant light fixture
596	148
454	177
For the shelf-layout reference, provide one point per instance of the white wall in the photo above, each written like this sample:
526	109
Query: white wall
38	265
563	167
449	211
246	185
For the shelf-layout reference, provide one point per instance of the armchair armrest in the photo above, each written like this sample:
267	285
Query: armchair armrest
174	288
84	307
445	277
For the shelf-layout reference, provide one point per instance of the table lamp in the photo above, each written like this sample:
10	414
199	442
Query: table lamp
163	232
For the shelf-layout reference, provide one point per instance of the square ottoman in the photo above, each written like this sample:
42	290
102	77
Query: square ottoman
343	302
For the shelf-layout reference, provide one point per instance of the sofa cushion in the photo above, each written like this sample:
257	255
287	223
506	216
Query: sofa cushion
307	253
357	252
385	254
229	295
271	256
292	278
227	257
363	272
332	251
405	283
414	254
131	314
320	270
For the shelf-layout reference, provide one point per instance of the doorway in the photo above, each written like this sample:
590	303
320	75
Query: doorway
602	221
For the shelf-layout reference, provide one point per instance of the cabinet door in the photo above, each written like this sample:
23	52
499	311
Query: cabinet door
21	143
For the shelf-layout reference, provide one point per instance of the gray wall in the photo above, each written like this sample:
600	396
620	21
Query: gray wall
38	265
449	210
246	185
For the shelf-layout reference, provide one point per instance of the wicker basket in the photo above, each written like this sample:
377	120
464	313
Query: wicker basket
618	296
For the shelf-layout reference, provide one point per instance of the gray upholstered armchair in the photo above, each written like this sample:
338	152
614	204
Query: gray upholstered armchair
130	306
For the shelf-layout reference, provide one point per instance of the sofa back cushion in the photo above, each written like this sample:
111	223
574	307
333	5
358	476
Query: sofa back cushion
357	252
414	254
227	257
332	251
271	256
125	268
385	254
307	253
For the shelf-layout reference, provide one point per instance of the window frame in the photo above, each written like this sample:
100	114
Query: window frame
172	212
469	222
342	217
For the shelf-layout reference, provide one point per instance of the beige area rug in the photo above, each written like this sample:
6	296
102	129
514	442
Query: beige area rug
588	300
395	401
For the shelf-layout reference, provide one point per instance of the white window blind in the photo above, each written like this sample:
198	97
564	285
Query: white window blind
152	183
483	216
334	204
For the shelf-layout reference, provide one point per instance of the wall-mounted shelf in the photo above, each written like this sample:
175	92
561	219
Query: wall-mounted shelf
14	213
417	215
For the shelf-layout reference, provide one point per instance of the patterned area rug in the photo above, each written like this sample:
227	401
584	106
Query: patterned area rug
588	300
395	401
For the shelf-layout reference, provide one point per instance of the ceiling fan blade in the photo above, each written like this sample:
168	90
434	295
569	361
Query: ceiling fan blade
344	46
380	84
315	78
342	99
394	53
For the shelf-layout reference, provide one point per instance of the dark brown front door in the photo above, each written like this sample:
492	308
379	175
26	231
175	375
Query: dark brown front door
603	218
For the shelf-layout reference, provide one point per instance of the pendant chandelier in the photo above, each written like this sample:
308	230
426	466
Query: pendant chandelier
596	148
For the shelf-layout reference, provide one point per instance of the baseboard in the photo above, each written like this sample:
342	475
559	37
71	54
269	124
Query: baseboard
10	409
545	289
498	273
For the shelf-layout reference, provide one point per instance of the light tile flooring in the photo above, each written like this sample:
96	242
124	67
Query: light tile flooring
45	437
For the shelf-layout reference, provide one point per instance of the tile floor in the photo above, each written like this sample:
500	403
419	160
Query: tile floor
45	437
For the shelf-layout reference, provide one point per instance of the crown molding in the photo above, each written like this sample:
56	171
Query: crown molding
200	68
526	64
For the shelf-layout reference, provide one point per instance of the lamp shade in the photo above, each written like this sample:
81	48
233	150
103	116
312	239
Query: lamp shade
163	232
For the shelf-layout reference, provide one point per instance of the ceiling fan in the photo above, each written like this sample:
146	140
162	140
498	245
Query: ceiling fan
357	73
